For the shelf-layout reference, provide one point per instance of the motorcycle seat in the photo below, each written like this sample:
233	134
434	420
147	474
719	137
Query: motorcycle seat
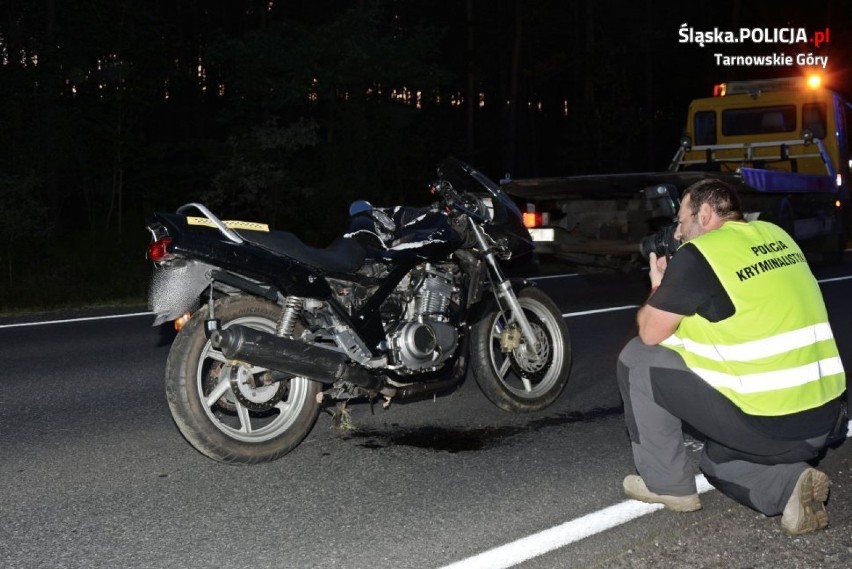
342	256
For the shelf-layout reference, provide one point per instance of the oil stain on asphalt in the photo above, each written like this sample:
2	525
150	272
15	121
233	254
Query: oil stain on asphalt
441	439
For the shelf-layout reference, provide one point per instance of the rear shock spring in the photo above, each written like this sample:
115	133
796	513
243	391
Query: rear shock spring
289	315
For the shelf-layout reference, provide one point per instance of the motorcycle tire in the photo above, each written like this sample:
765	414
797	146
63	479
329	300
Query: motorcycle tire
510	380
228	411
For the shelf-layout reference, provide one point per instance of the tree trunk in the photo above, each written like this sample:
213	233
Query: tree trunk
9	254
471	85
650	112
514	103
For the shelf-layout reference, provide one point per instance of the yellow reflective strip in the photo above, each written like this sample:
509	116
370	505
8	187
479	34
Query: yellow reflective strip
246	225
757	349
199	221
772	380
230	224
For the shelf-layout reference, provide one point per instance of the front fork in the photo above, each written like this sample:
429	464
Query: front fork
506	299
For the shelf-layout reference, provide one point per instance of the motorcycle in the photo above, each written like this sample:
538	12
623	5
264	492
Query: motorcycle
394	310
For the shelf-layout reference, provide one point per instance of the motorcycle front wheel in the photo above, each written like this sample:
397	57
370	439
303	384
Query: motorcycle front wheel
506	374
231	411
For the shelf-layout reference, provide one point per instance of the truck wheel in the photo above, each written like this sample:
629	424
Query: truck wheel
835	245
784	217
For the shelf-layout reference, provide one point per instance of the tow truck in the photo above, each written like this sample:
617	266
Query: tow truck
783	143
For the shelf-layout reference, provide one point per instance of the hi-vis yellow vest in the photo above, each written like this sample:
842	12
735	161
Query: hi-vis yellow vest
776	355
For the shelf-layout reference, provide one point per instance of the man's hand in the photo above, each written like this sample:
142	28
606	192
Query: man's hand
657	269
656	325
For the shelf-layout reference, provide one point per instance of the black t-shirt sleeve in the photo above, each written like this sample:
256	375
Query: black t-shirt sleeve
690	287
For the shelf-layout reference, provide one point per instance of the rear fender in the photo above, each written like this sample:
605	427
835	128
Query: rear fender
176	288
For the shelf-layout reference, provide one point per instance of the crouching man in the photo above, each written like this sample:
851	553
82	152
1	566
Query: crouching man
735	341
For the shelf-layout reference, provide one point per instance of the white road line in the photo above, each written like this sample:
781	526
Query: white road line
548	540
599	310
90	318
537	544
629	306
545	277
835	279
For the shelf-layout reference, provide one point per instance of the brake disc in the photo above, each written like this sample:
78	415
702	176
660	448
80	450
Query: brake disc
533	369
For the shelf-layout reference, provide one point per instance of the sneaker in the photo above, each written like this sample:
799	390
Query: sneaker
805	510
634	487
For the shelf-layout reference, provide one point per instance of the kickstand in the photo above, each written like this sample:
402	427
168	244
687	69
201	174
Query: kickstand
341	418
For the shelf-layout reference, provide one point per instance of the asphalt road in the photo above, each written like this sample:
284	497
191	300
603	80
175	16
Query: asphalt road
95	474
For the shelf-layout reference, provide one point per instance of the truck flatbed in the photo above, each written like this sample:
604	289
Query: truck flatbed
606	186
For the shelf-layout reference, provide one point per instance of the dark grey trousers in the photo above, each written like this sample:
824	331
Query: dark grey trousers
660	392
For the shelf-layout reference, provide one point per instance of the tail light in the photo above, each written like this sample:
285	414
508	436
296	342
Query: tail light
158	250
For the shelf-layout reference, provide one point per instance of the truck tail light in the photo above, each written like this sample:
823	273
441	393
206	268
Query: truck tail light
532	219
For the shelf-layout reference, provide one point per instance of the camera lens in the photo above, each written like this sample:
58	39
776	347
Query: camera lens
662	242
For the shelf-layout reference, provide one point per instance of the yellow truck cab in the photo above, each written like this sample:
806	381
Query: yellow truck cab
786	138
761	123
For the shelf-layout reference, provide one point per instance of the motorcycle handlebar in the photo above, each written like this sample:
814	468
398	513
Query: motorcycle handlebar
444	191
452	200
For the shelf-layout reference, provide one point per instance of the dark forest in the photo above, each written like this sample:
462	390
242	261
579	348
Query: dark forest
284	111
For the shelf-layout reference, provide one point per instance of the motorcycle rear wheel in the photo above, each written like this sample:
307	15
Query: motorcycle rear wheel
230	412
511	380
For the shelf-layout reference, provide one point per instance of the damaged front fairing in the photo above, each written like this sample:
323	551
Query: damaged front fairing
400	232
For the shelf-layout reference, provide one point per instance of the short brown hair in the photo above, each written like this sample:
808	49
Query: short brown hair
719	195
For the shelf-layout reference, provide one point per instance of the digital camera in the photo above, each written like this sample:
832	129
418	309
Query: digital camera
663	201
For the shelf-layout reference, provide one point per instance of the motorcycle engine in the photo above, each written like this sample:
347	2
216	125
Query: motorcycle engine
420	336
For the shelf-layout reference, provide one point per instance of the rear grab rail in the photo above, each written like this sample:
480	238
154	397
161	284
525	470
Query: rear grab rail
220	225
